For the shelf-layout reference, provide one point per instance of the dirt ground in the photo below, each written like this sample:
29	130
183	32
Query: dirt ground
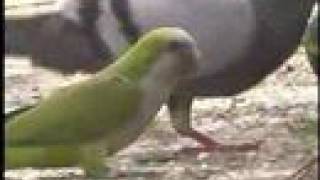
276	110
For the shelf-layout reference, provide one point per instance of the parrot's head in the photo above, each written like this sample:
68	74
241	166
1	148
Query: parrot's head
175	59
161	58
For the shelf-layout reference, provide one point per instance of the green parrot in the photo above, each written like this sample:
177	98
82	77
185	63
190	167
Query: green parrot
81	124
310	41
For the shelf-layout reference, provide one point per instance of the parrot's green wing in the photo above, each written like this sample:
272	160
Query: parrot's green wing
78	114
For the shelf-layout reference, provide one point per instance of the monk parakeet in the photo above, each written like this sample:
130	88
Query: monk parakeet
80	124
241	42
310	41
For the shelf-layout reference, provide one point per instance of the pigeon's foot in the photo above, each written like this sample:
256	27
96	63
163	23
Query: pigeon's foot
209	145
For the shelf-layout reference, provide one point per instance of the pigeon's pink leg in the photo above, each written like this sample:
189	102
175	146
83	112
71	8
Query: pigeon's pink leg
180	106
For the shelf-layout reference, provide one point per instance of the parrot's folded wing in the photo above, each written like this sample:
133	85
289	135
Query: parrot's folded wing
82	113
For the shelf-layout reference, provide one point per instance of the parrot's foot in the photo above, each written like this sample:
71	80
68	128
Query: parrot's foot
97	172
93	162
210	145
100	172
